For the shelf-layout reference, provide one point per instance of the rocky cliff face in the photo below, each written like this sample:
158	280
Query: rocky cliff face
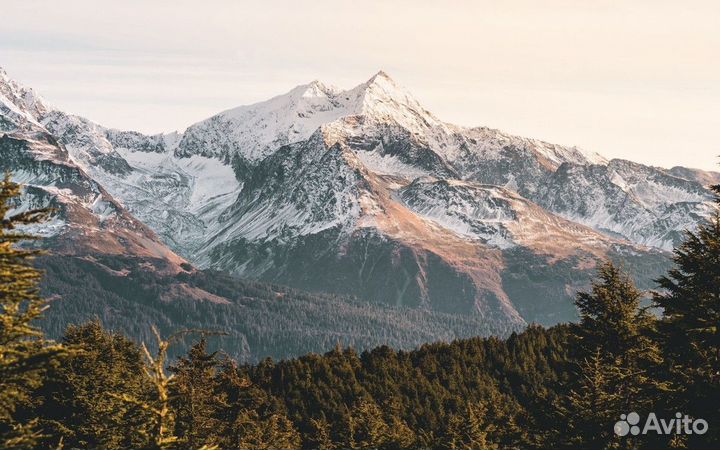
88	224
364	192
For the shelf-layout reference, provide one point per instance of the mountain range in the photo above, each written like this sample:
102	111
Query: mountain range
360	193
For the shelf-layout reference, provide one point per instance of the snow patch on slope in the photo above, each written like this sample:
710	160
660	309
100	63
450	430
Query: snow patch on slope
388	165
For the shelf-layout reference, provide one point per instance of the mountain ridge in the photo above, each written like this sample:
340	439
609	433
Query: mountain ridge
364	192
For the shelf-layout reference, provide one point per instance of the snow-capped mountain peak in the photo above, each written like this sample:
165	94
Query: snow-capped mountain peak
19	105
361	191
380	88
254	131
384	99
317	89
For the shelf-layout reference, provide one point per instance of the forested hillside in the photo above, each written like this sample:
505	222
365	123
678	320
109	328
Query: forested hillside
569	386
259	319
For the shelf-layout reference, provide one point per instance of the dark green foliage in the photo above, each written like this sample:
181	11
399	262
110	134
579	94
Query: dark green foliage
560	387
468	430
617	360
196	397
413	397
690	331
216	406
261	319
25	355
610	315
79	405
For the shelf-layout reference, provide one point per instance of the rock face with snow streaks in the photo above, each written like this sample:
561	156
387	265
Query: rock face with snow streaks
365	192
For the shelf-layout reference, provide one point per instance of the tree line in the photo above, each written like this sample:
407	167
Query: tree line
569	386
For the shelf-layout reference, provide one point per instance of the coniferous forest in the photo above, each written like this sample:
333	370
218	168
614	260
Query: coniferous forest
561	387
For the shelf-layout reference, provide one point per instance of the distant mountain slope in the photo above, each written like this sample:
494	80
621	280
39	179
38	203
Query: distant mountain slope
261	320
364	192
87	219
704	177
105	264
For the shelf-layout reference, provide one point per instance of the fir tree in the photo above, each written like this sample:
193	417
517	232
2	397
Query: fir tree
369	430
320	436
249	418
274	432
593	405
81	403
610	314
400	435
25	355
197	397
468	429
160	431
690	302
619	360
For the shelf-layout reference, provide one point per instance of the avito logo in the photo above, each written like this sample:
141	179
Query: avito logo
681	424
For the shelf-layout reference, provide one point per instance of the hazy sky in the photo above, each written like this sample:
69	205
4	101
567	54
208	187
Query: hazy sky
631	79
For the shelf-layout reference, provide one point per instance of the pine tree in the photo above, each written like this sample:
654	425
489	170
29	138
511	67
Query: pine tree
320	436
594	404
610	314
468	429
196	397
690	328
160	432
618	360
25	355
400	436
274	432
369	428
249	419
80	395
613	320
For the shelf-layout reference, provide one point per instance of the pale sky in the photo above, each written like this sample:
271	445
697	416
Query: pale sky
631	79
